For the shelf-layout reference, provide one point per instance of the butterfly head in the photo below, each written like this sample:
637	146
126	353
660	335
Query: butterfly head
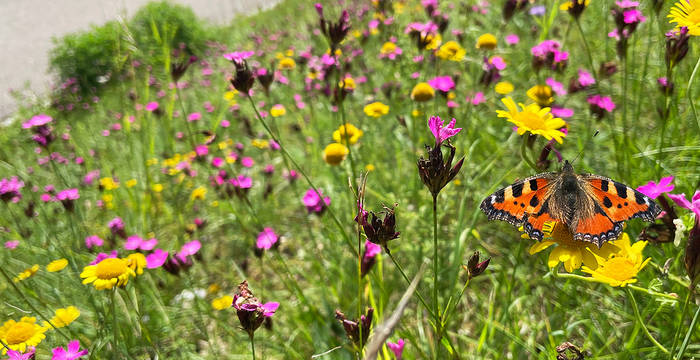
568	168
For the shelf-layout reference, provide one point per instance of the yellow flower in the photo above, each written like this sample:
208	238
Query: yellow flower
335	153
620	268
222	303
131	183
260	143
686	13
347	133
152	161
573	4
137	262
532	118
198	193
416	113
107	183
452	51
27	273
388	48
230	97
277	110
422	92
63	317
486	41
108	273
541	94
286	63
570	252
433	41
348	83
57	265
370	167
20	335
289	52
157	187
376	109
213	288
503	87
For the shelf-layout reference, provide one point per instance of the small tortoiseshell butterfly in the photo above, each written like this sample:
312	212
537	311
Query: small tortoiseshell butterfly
592	207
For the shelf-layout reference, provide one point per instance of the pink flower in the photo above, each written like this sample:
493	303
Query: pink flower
684	203
599	103
16	355
512	39
561	112
397	348
156	259
101	256
152	106
440	131
93	240
247	162
68	194
653	190
497	62
585	78
633	16
238	56
217	162
242	182
371	249
266	239
194	116
135	242
201	150
12	244
37	120
556	86
189	249
90	177
10	189
314	201
626	4
477	99
442	83
71	352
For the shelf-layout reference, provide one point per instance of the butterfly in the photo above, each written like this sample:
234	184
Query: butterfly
593	208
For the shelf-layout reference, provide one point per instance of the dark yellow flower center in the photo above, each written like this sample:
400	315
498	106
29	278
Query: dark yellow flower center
19	333
111	268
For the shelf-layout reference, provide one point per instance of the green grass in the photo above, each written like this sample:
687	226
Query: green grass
519	308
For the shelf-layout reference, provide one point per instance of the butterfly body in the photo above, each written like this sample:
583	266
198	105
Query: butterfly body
592	207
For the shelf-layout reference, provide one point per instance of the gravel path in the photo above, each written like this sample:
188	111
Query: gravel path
27	27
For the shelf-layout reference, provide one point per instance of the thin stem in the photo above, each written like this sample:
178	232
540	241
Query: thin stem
301	171
408	281
252	344
523	153
680	323
688	334
115	324
689	92
588	51
438	320
629	286
638	316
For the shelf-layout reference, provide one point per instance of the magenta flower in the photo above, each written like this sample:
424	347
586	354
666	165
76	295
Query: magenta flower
71	352
238	56
135	242
12	244
201	150
371	250
194	117
247	161
68	194
90	177
251	312
561	112
266	239
477	99
37	120
440	131
585	78
101	256
600	104
556	86
549	53
693	204
10	189
17	355
242	182
315	202
156	259
152	106
189	249
442	83
397	348
93	240
653	190
512	39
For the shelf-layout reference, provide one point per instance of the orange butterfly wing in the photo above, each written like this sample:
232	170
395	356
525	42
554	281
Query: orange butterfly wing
520	203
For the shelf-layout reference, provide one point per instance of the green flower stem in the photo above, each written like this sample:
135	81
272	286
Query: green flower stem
638	316
677	333
630	286
408	281
588	50
301	171
523	153
252	343
438	320
688	334
115	324
190	135
690	94
31	306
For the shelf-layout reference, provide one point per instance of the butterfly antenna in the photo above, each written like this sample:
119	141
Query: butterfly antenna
581	152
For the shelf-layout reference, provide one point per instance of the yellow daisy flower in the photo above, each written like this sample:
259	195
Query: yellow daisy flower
503	87
199	193
131	183
376	109
486	41
533	119
422	92
568	251
452	51
27	273
433	41
63	317
108	183
347	84
388	48
222	303
277	110
108	273
57	265
347	133
622	267
335	153
137	262
541	94
20	335
286	63
686	13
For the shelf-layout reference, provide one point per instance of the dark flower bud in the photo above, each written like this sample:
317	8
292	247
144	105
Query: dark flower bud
244	79
475	268
250	311
436	173
576	354
576	8
381	228
511	6
177	69
334	32
353	329
265	77
676	46
692	255
608	69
